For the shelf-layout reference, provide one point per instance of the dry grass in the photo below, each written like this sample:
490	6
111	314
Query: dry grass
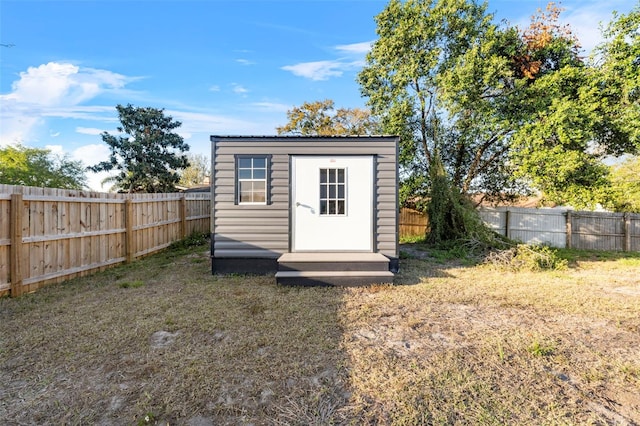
163	340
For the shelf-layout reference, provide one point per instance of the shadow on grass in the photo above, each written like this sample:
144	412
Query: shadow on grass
163	341
180	346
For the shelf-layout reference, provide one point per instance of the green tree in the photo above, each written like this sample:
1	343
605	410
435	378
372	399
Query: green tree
580	113
20	165
149	156
437	77
619	78
624	195
506	110
199	168
321	118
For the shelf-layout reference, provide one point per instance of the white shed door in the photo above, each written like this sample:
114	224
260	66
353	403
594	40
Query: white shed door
332	203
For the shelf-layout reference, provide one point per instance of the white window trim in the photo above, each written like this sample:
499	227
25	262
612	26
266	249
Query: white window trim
237	180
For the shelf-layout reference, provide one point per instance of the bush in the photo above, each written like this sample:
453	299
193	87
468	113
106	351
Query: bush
525	257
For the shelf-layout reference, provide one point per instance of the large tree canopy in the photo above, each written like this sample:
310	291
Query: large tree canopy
149	156
20	165
418	42
505	109
619	78
583	113
323	119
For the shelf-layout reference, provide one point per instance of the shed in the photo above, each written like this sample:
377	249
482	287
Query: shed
313	210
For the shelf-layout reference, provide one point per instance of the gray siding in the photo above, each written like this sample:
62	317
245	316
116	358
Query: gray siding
263	231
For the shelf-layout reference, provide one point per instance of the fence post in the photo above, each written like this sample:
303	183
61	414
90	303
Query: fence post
626	246
569	238
183	217
507	224
16	245
128	223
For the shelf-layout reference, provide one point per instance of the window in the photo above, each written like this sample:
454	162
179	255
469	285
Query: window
332	192
251	179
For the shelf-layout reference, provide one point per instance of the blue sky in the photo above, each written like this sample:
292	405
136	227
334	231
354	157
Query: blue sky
220	67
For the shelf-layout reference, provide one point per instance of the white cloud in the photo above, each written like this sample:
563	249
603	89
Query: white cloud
16	128
82	112
214	88
245	62
239	89
324	70
62	84
201	122
317	71
584	18
89	130
271	106
91	155
55	149
355	48
54	90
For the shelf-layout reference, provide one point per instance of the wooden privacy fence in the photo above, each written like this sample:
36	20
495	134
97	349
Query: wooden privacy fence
412	223
560	228
52	235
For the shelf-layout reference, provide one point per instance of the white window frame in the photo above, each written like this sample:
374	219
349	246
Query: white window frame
252	168
328	199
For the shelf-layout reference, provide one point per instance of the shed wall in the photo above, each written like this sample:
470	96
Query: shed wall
262	231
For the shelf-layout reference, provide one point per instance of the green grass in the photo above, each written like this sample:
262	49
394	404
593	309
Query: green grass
574	255
411	239
131	284
164	340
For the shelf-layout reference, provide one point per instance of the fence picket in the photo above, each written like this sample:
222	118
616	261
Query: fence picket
51	235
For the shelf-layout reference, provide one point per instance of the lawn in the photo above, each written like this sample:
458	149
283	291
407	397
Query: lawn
162	341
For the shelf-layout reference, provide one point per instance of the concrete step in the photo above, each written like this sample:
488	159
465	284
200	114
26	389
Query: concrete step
333	278
333	262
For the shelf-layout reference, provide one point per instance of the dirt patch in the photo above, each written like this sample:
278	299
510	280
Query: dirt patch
162	339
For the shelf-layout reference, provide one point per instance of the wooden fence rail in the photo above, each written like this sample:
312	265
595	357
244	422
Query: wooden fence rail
555	227
52	235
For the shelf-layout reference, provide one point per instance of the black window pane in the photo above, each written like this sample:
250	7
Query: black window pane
259	163
332	191
259	174
244	174
244	163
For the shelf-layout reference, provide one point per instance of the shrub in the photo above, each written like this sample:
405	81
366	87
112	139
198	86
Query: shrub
526	257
